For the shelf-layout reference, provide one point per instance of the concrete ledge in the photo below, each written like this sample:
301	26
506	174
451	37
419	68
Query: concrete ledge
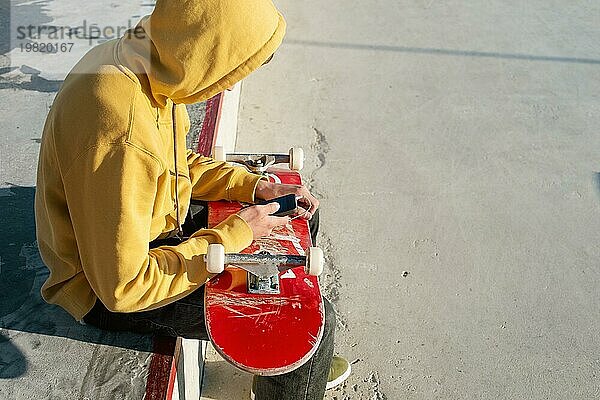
227	129
190	370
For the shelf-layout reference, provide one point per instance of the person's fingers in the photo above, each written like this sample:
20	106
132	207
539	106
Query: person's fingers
303	202
311	200
278	221
301	210
314	207
269	208
303	213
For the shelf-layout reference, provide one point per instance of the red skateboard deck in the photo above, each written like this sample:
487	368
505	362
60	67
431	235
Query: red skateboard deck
265	334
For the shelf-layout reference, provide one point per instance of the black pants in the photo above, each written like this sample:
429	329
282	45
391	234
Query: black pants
185	318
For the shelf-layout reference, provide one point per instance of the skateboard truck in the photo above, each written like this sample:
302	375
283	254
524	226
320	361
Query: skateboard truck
263	269
257	162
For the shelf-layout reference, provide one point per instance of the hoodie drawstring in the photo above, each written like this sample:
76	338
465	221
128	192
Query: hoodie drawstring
179	227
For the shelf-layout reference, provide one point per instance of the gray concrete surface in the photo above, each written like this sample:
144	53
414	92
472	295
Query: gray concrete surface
457	141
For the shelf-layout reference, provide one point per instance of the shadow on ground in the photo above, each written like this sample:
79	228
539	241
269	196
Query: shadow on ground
443	52
21	13
4	26
12	362
35	83
22	273
26	78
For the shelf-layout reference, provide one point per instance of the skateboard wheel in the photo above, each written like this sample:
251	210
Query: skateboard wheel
296	158
219	154
215	258
315	261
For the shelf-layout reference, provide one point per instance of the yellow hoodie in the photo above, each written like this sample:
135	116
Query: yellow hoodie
106	173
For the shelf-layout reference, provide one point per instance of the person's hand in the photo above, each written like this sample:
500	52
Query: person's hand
260	220
267	190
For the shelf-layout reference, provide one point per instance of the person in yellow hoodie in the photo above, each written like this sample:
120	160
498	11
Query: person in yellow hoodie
115	181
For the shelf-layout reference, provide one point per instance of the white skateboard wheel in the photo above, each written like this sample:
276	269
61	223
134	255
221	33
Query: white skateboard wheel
215	258
219	154
315	261
296	158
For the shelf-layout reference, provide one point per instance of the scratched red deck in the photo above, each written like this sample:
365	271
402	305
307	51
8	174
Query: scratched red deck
266	334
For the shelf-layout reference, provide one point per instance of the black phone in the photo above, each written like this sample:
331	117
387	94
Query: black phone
288	205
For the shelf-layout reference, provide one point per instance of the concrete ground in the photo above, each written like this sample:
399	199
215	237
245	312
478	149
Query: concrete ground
454	145
451	140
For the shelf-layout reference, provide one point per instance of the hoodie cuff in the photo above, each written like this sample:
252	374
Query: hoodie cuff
243	187
234	232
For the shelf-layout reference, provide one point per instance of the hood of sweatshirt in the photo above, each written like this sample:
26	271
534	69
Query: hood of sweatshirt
190	50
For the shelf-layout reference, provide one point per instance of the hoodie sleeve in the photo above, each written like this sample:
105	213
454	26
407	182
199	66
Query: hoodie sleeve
215	180
112	231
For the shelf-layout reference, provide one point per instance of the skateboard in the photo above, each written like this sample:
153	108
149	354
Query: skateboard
264	310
